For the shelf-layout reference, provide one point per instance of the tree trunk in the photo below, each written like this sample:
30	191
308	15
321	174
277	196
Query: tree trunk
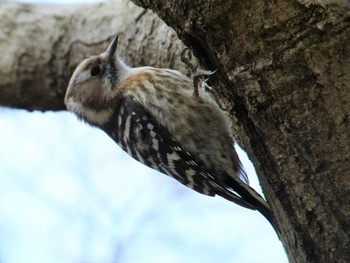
282	75
284	69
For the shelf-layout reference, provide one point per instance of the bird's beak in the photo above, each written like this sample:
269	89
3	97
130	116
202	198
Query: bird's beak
112	47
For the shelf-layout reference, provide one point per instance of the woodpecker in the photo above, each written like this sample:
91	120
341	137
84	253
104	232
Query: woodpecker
162	120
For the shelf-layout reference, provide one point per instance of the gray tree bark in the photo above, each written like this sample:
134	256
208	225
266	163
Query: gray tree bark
42	44
283	67
283	74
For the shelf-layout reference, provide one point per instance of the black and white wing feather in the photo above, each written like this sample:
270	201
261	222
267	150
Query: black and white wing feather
142	137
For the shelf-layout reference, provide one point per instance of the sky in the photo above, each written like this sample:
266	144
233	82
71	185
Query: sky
69	194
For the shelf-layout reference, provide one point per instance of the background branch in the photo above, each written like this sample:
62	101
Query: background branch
43	44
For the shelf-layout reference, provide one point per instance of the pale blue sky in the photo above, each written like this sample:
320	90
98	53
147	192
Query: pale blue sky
68	194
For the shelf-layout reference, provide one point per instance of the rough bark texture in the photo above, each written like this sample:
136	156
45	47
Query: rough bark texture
283	75
283	67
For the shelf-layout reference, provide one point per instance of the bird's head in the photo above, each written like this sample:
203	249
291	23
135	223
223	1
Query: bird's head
93	87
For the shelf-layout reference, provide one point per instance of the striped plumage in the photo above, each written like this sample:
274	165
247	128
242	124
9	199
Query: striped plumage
154	116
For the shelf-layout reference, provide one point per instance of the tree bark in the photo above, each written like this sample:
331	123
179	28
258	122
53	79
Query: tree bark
42	44
282	75
283	67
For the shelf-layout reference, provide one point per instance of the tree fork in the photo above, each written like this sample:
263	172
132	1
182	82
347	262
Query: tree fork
282	74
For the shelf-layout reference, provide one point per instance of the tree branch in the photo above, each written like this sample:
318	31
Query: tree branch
42	45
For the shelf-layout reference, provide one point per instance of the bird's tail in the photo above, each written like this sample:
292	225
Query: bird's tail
248	198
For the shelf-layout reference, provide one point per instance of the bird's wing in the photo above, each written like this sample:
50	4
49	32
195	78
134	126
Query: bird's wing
142	137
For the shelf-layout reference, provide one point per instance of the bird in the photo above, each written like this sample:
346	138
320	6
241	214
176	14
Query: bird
161	119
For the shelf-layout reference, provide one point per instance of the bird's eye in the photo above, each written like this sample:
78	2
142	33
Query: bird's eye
95	70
